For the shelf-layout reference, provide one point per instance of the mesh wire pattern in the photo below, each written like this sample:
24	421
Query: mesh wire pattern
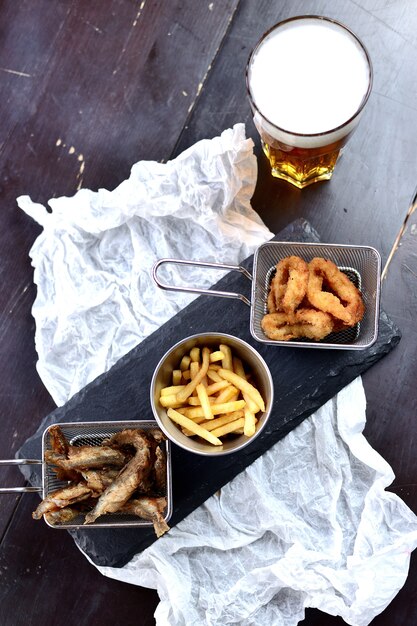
362	264
93	434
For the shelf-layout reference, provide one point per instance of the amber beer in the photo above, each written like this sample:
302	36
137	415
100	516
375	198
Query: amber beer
308	80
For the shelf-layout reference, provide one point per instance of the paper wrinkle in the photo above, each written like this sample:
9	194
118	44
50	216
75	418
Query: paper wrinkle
323	534
96	298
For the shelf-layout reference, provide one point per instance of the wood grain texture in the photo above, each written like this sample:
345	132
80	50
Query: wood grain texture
320	373
86	93
391	409
367	198
87	90
48	581
68	120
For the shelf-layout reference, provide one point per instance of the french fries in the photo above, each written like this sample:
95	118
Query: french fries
169	391
222	420
196	380
249	423
176	377
228	428
240	371
216	356
213	375
244	386
210	395
204	401
217	409
185	363
215	387
227	361
216	422
226	395
195	354
194	369
195	428
170	402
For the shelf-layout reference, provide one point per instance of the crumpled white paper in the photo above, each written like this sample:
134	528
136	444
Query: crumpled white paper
323	533
96	297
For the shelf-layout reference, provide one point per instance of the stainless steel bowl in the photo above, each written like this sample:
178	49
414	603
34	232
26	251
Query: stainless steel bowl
163	375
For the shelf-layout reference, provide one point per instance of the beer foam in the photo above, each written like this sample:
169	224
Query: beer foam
308	76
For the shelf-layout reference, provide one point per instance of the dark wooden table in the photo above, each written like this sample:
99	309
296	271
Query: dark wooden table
89	88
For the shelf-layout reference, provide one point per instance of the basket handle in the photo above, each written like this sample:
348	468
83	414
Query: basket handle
207	292
20	489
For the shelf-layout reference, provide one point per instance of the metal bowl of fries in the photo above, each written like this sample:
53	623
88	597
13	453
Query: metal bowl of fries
212	394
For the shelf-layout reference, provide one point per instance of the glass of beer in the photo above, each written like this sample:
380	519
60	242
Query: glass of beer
308	80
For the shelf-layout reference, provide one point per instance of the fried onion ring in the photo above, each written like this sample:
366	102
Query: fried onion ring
289	285
341	298
307	323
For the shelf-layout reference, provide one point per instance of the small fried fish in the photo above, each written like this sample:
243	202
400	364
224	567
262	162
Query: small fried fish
62	516
63	497
130	477
87	457
150	509
160	470
57	439
99	480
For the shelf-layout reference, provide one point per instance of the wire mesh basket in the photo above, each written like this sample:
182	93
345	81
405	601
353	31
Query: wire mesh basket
92	434
362	264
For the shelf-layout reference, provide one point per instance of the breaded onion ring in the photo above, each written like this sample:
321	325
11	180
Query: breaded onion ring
341	298
289	285
303	323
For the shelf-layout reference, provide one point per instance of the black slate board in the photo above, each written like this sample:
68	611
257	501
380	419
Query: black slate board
304	381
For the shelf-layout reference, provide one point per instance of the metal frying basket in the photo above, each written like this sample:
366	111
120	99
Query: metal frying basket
93	434
362	264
